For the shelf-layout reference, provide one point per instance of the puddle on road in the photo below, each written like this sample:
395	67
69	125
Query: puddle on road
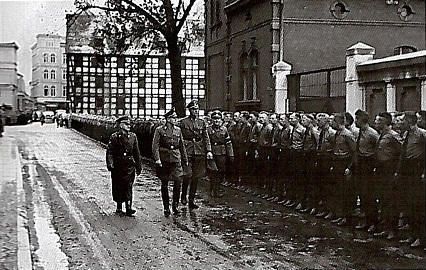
49	253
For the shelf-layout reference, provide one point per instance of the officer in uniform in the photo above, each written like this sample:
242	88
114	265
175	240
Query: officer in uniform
264	179
322	161
366	159
341	169
123	160
198	148
283	143
411	170
221	148
387	156
169	154
244	146
297	139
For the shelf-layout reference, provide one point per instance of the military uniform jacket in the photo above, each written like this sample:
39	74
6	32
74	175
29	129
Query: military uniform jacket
220	141
196	139
123	152
168	145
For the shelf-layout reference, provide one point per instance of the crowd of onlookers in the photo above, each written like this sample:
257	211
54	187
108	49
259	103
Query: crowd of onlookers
362	171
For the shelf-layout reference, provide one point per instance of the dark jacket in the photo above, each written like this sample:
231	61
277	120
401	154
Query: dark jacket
123	160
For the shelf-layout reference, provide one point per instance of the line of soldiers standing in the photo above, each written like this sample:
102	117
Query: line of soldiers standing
321	164
317	163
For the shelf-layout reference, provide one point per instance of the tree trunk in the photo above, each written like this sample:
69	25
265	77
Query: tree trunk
175	58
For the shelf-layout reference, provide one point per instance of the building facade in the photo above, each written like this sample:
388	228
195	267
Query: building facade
394	83
246	38
8	74
137	83
130	84
48	84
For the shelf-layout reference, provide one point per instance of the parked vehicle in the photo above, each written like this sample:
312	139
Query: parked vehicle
49	116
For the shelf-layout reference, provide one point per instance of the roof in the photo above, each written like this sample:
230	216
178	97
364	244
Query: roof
394	58
408	59
9	44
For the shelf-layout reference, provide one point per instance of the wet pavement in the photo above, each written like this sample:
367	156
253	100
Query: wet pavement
72	224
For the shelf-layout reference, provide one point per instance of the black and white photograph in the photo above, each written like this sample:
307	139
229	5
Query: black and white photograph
212	134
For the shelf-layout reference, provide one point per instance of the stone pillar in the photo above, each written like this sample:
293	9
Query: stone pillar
390	97
280	71
355	95
423	93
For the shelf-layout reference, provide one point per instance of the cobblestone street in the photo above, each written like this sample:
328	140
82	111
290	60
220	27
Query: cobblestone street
67	188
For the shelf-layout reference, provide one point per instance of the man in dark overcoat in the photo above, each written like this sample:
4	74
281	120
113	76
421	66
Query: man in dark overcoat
123	160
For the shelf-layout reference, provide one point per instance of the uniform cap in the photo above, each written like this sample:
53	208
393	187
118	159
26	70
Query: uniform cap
322	115
193	104
124	118
170	113
216	115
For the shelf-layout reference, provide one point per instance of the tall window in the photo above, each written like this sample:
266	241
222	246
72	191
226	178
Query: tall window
45	74
53	90
46	90
244	69
64	90
64	58
64	74
45	58
53	58
253	73
53	74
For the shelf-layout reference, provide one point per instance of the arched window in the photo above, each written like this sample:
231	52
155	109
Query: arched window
45	58
53	58
45	74
53	90
404	49
46	90
53	74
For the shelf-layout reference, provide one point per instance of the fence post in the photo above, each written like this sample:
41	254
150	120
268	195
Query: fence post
390	96
280	71
423	93
355	94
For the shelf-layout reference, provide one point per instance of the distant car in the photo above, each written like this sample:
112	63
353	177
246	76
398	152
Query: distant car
48	116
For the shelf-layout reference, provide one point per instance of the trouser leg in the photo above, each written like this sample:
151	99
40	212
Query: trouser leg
185	184
176	191
165	193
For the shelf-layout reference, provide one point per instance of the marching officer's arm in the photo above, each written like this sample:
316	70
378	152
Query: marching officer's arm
137	155
109	153
156	146
182	150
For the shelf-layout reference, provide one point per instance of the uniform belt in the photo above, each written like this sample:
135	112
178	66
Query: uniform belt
216	143
169	147
193	140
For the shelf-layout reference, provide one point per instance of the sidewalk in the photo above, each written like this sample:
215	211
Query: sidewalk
14	239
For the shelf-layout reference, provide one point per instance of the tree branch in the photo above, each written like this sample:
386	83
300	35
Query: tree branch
145	13
178	8
185	15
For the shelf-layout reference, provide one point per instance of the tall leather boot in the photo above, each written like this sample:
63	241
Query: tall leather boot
129	211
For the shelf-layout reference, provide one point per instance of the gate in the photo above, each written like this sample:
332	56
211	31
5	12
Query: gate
321	90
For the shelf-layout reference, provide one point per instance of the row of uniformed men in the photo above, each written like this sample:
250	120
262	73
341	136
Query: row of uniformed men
318	163
321	164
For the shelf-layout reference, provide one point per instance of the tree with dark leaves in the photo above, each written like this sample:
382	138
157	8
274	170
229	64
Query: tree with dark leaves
146	25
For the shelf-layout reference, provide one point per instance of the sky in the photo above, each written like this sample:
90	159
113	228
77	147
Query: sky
21	21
